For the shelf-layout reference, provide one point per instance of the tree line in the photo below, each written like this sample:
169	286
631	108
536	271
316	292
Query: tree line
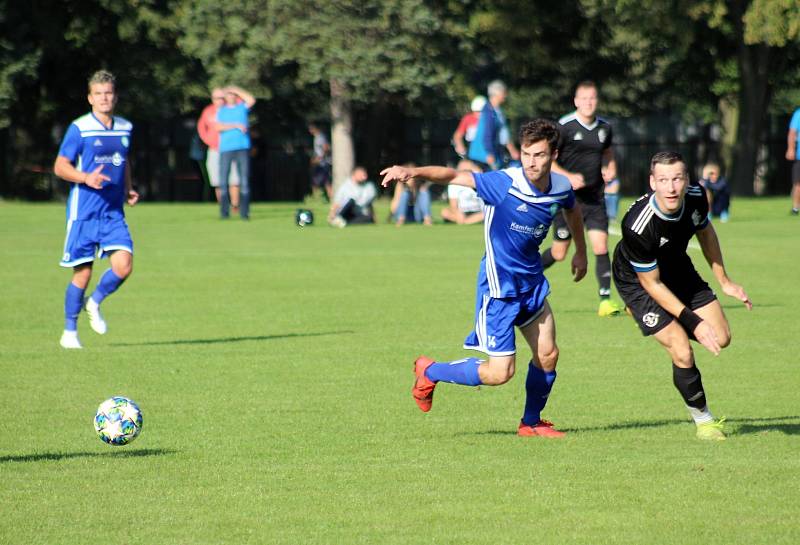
723	62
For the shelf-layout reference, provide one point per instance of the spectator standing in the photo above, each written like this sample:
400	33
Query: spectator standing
206	128
234	147
320	162
717	191
492	135
793	154
468	126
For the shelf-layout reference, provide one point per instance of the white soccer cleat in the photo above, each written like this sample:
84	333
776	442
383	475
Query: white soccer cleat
96	320
69	339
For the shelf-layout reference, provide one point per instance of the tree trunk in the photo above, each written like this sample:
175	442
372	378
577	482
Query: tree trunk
342	147
754	93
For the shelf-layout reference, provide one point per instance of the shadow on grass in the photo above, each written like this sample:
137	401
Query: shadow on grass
607	427
57	456
782	424
235	339
739	426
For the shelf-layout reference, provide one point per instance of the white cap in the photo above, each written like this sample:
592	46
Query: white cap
478	103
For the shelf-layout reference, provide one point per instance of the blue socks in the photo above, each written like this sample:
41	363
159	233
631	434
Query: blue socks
537	389
458	372
108	284
73	302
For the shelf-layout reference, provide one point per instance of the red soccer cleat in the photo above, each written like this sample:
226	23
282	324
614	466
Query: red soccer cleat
542	428
423	386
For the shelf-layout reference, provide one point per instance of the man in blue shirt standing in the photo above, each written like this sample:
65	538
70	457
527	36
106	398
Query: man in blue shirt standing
512	290
234	147
93	157
793	155
492	134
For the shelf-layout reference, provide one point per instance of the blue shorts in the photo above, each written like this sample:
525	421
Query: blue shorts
90	239
495	319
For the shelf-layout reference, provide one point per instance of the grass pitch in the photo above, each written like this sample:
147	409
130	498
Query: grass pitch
273	367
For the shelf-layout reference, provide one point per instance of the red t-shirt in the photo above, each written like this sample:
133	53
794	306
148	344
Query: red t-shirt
205	127
468	126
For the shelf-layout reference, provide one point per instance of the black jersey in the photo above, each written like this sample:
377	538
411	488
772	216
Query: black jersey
653	239
581	150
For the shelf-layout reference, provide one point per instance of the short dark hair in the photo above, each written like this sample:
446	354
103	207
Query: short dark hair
666	158
102	76
586	84
537	130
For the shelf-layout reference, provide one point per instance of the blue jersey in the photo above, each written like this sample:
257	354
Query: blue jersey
89	144
489	136
233	139
795	124
517	217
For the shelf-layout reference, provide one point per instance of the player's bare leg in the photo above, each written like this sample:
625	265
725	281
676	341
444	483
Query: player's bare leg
713	314
688	381
541	337
112	279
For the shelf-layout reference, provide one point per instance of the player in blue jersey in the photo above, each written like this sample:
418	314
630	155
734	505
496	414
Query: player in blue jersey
512	291
93	158
793	155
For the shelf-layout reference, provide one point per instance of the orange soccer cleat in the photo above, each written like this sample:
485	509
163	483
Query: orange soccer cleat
542	428
423	386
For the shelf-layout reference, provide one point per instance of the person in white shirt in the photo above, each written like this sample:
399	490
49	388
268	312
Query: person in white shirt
465	207
353	200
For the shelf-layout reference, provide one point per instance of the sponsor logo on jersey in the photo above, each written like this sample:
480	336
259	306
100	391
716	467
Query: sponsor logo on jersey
98	142
537	231
662	241
125	141
650	319
601	135
578	136
522	208
116	159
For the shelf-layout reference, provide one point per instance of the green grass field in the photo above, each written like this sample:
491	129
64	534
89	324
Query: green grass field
273	367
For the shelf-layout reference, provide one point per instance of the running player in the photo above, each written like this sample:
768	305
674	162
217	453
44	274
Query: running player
512	290
659	284
585	146
94	158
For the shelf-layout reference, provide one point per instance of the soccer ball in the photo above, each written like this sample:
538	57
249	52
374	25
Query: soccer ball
118	421
304	217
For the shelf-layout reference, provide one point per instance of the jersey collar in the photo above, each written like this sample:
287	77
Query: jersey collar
101	123
664	216
524	186
590	126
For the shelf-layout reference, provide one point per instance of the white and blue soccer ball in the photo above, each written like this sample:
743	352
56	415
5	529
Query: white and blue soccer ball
118	421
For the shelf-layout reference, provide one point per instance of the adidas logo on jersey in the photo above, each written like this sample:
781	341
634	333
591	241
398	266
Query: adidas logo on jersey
578	136
98	142
662	241
522	208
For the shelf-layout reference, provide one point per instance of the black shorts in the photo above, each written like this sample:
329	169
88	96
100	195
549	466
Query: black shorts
594	218
651	317
796	172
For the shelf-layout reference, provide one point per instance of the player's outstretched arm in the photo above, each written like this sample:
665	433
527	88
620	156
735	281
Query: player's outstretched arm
574	219
439	175
709	242
703	332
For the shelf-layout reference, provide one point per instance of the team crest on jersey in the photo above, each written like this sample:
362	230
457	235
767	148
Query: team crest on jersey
601	135
578	136
125	141
650	319
696	218
116	159
553	209
540	231
563	232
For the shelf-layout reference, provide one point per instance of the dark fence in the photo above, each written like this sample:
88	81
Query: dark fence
164	169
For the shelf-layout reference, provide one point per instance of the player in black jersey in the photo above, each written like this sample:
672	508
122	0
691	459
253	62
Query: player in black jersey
659	284
585	146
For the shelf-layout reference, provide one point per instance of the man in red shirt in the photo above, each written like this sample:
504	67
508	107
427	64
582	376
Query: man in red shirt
468	126
210	136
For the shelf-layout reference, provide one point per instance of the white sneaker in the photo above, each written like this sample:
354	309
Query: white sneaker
69	339
96	320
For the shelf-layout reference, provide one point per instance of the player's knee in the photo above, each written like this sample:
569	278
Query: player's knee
548	359
724	337
123	270
558	253
683	356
